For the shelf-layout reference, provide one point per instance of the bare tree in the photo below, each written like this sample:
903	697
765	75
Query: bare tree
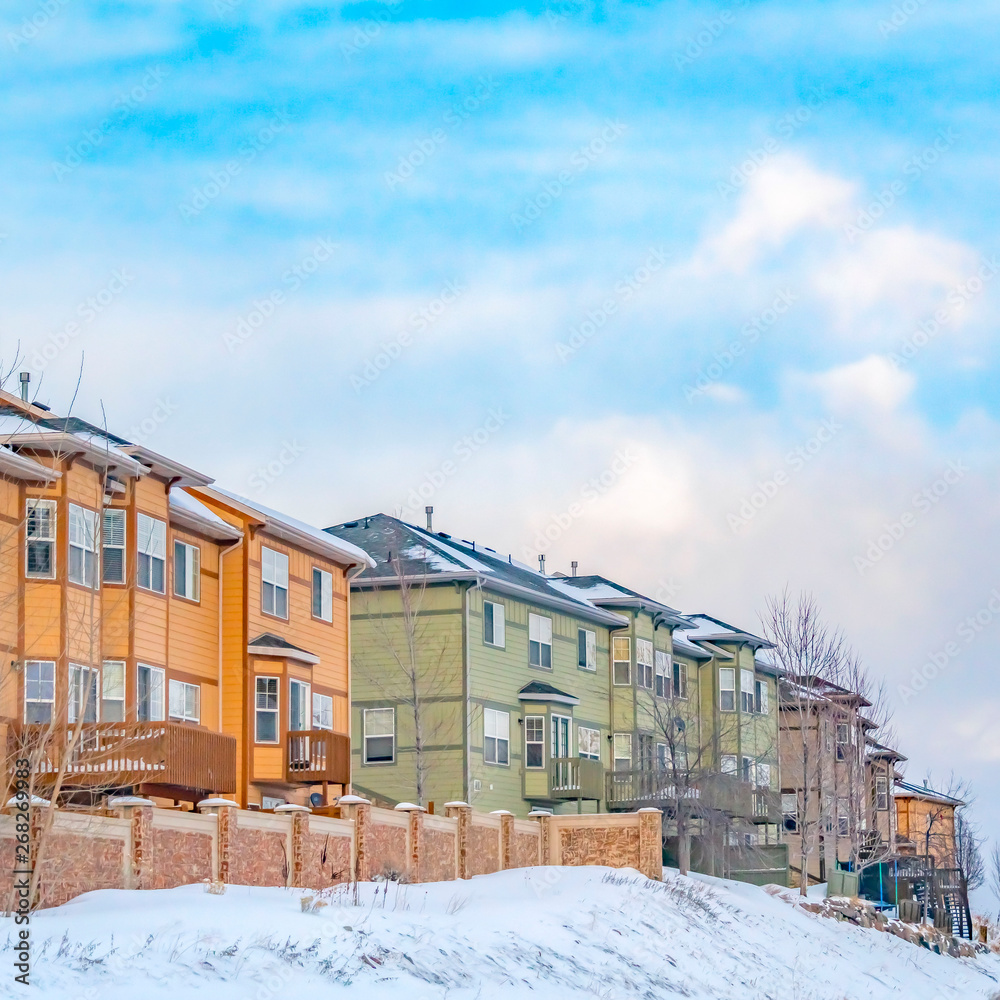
995	874
968	851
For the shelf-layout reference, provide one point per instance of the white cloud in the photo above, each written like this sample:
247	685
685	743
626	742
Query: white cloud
873	383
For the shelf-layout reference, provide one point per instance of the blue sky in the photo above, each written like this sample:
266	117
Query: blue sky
495	178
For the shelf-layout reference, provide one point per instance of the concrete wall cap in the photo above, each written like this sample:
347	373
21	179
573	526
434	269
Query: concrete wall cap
538	812
291	807
408	807
217	804
649	809
457	805
353	800
501	812
36	800
117	801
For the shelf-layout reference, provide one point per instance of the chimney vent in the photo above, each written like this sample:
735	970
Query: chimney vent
541	565
25	381
572	567
429	511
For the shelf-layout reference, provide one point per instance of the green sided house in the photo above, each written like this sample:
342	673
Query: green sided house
475	677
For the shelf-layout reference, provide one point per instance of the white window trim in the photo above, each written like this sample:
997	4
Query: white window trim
160	674
539	742
278	582
120	666
662	672
615	640
729	764
276	711
181	688
81	675
555	722
723	671
645	668
325	595
326	700
625	738
117	513
366	736
88	545
593	736
589	650
34	503
307	704
501	642
51	702
192	571
747	691
151	553
495	715
541	625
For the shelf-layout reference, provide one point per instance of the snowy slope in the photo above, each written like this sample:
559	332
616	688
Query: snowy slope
553	932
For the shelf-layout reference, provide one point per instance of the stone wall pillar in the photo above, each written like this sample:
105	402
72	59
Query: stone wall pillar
300	830
359	812
414	838
651	843
462	812
139	812
225	812
506	838
544	837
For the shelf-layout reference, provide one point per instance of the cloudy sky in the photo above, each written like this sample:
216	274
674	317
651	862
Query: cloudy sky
701	296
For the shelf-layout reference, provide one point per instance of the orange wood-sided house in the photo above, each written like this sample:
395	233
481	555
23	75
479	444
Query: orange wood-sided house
137	604
926	823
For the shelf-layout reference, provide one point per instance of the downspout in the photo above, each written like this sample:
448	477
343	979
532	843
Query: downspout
222	555
353	572
467	685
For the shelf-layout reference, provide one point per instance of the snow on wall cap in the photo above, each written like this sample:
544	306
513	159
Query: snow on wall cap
408	807
117	801
649	809
539	812
36	800
501	812
216	803
353	800
457	805
291	807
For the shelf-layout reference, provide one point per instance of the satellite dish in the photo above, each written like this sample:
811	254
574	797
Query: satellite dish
315	800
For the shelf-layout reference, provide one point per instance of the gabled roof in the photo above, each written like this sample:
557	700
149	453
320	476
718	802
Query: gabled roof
419	556
904	790
606	593
705	627
540	691
269	644
25	469
190	513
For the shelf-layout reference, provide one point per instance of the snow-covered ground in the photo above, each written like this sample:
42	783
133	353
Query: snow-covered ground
552	932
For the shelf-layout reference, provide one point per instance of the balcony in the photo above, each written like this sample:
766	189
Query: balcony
576	778
720	793
158	757
315	755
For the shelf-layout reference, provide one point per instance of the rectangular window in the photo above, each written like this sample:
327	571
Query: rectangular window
322	595
763	775
662	674
727	689
82	546
540	641
747	771
187	571
881	792
113	546
82	701
843	818
662	757
39	691
40	539
113	691
149	693
586	649
760	697
560	736
298	706
380	735
496	735
152	547
274	581
842	740
494	624
622	744
746	690
322	711
790	811
185	701
589	743
534	741
680	680
728	763
266	708
644	663
621	651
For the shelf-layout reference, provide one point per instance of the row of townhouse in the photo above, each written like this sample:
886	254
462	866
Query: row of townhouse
161	635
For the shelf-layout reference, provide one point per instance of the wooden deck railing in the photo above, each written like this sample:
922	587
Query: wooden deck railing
122	754
315	755
576	778
708	793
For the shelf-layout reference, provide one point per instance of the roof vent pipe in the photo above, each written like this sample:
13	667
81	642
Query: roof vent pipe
541	565
572	567
25	381
429	511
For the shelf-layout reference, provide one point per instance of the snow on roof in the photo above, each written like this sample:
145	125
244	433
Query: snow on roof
181	500
323	538
597	591
444	557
